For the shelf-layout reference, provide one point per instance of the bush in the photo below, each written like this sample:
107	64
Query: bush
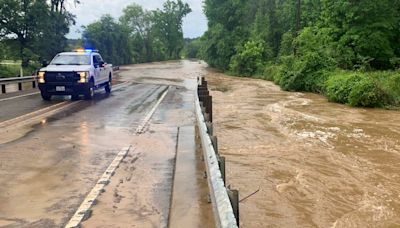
357	89
366	93
249	58
389	82
339	87
304	74
272	73
306	70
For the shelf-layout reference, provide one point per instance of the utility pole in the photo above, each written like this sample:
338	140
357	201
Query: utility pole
298	22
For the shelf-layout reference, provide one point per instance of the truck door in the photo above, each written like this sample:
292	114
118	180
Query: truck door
97	72
103	72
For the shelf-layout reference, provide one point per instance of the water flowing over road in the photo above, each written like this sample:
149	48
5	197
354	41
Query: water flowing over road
52	154
317	164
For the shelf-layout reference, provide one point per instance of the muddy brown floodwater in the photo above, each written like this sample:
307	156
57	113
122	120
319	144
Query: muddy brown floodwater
317	164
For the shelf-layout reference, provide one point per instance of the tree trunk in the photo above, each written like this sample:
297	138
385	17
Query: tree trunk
24	59
298	23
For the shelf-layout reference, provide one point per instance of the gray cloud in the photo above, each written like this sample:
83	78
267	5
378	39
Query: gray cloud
195	24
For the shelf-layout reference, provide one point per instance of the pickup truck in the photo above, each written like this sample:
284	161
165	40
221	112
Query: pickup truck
75	73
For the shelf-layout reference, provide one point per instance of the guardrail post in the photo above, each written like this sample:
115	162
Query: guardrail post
3	88
222	167
204	82
234	198
210	127
19	86
204	108
34	84
209	107
214	141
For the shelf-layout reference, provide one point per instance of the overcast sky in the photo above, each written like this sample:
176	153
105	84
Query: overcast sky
195	24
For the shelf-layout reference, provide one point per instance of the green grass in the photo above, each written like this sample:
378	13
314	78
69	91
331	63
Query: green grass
13	70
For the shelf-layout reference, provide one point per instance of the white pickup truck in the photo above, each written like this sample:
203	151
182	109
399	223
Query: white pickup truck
75	73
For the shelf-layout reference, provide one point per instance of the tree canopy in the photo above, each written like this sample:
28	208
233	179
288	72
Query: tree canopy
309	45
361	33
33	31
36	28
140	35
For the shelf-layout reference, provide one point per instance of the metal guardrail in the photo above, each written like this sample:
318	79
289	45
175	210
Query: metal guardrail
17	80
225	202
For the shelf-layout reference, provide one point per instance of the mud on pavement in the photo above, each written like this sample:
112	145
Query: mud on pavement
317	164
47	170
140	193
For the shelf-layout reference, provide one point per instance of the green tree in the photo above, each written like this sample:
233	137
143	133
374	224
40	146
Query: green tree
139	23
21	20
227	30
109	37
37	27
192	48
363	30
168	26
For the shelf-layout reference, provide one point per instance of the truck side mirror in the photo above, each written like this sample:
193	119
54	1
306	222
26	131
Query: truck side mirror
45	63
102	64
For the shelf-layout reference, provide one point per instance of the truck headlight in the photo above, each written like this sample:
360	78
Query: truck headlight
83	77
41	77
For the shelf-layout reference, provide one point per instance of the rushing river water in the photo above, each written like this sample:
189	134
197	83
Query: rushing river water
317	164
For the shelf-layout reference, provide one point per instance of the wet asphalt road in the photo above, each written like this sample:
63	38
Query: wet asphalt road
19	106
45	173
48	166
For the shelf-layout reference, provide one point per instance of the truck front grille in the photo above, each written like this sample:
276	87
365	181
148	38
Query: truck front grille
61	77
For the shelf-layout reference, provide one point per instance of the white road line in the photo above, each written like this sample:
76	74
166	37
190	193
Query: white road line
30	115
31	94
25	95
83	211
44	111
142	125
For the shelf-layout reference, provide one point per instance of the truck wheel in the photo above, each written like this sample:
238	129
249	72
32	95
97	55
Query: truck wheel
45	96
108	87
90	92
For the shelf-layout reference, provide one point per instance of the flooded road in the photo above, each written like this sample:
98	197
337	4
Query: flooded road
317	164
53	154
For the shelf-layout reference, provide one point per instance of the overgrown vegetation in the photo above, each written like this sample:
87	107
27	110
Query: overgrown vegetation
13	70
346	50
33	31
192	49
140	35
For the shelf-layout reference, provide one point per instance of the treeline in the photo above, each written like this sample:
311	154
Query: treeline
139	35
33	30
330	47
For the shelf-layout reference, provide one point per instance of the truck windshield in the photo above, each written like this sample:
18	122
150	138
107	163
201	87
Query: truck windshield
71	60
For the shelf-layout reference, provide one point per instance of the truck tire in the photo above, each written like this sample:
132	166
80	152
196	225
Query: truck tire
45	96
90	91
108	87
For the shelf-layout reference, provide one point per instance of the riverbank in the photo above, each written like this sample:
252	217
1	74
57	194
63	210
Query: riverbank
355	88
